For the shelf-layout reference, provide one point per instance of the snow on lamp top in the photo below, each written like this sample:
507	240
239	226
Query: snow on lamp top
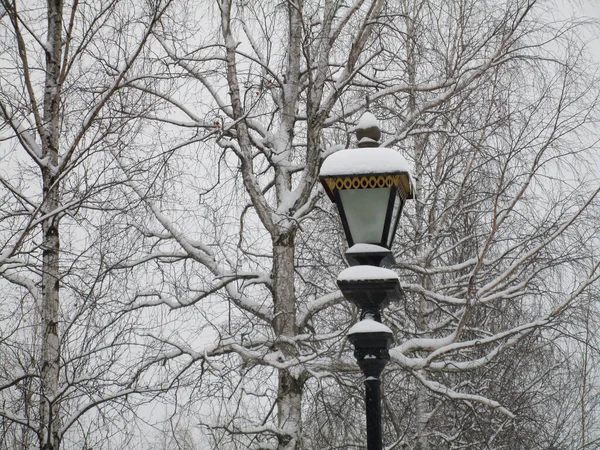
364	161
368	159
367	120
368	325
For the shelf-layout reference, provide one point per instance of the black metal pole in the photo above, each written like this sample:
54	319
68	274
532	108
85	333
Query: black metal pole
373	407
372	341
371	352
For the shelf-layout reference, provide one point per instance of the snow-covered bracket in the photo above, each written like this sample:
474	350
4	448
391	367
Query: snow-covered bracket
370	288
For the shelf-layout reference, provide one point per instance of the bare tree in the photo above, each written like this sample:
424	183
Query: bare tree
63	346
492	104
501	223
198	259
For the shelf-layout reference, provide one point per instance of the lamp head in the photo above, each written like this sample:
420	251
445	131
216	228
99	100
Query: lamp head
369	186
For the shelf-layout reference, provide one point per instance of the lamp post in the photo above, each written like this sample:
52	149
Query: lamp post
369	186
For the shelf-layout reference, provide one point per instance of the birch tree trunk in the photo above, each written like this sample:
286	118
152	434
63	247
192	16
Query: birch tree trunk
289	398
50	413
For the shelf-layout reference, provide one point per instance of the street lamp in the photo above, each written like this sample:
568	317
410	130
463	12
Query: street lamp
369	186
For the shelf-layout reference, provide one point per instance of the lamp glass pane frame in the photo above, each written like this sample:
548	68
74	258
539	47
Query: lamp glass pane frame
393	209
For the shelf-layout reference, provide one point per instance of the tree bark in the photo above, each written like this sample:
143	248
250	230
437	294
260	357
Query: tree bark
289	399
49	411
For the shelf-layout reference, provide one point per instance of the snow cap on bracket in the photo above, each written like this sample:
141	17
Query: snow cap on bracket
372	341
368	287
369	255
368	325
367	273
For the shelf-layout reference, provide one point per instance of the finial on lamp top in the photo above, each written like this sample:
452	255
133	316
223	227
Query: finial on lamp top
368	132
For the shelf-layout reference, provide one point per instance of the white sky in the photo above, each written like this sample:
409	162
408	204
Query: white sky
591	9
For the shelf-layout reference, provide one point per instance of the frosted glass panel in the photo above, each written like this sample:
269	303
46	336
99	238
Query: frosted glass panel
395	212
365	211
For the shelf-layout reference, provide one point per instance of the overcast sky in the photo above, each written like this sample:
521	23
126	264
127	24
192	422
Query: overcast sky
591	8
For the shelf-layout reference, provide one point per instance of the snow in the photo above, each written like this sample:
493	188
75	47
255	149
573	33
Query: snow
360	273
364	161
368	139
5	254
366	248
368	325
367	120
336	148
